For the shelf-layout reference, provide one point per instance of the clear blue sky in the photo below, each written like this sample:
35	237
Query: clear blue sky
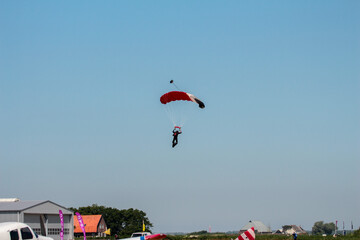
81	121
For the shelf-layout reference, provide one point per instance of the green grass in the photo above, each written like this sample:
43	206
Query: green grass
220	236
261	237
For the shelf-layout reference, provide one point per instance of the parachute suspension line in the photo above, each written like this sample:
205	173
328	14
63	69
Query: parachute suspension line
176	113
170	111
184	117
181	110
181	113
175	108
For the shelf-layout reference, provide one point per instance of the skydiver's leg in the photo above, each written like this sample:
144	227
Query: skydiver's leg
174	142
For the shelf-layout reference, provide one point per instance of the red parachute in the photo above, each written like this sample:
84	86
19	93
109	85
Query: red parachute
247	235
177	107
180	96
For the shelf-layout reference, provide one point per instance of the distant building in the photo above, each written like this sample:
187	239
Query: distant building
290	229
95	226
259	227
41	216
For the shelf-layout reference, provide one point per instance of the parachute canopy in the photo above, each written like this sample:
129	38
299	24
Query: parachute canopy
247	235
180	96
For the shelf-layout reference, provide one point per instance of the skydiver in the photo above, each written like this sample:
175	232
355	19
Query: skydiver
176	132
294	235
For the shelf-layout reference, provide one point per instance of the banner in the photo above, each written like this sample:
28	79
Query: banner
81	223
62	225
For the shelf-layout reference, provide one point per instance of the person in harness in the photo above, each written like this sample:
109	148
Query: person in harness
176	132
294	235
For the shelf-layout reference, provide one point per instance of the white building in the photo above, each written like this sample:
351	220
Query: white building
41	216
290	229
258	226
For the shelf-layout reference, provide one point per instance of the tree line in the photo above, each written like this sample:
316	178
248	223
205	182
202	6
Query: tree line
320	228
127	221
121	222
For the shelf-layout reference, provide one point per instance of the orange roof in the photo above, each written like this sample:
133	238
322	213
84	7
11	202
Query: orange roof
91	223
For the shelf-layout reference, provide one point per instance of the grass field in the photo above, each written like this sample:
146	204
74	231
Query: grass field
258	237
266	237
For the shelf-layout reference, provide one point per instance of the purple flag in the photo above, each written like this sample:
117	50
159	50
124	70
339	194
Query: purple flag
81	223
62	225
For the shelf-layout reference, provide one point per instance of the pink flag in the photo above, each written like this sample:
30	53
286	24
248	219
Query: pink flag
62	225
81	223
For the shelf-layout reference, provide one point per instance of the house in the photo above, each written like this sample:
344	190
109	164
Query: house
95	226
42	216
259	227
290	229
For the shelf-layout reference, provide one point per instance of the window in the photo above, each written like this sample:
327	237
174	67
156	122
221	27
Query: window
37	230
56	231
26	233
137	235
14	235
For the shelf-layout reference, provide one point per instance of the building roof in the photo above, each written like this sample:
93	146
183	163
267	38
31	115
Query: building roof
298	229
258	225
91	223
18	205
293	229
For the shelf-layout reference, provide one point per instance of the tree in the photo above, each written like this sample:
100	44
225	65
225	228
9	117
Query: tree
320	228
202	232
122	222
